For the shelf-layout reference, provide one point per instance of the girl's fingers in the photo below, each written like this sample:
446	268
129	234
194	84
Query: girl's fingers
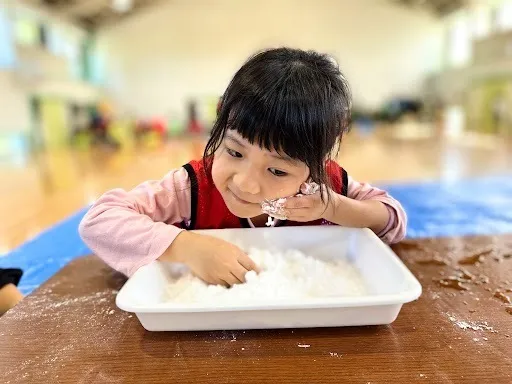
239	272
297	202
232	279
246	262
300	214
228	281
210	280
306	201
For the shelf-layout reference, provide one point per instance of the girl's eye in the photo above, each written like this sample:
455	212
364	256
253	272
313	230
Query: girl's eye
233	153
277	172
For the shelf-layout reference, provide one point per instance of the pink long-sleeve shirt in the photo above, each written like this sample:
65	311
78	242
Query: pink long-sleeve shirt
129	229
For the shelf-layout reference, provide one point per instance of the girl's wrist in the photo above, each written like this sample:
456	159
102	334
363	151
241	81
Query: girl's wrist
349	212
334	206
174	252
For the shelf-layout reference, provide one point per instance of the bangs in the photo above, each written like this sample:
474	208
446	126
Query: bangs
281	127
295	127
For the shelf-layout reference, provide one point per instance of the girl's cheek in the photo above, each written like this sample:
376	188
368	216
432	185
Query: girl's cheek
284	191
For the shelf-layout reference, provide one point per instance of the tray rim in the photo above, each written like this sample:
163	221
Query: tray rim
413	292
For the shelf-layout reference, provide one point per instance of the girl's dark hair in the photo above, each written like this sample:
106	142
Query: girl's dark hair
288	100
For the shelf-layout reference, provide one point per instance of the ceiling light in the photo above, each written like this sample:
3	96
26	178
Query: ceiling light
122	6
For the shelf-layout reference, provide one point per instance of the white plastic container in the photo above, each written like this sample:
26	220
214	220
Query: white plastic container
389	283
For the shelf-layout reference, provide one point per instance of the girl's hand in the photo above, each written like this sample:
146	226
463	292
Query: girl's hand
310	207
339	210
211	259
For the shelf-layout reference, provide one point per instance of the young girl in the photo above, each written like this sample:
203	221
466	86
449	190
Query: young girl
279	123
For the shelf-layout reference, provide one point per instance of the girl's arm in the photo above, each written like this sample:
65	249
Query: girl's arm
369	207
129	229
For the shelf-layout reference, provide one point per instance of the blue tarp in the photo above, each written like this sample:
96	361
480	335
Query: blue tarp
41	257
466	207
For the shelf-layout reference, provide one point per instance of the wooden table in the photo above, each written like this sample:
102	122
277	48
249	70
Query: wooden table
70	331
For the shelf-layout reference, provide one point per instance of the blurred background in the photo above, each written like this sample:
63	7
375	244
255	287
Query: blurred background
97	94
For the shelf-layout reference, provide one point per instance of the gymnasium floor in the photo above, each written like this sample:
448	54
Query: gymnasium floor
449	187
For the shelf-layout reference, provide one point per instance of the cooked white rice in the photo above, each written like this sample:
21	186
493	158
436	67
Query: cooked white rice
290	276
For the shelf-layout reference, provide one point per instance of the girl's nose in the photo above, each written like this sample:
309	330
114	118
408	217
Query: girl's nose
247	182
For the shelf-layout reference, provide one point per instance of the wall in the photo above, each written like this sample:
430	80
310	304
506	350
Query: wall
482	51
7	55
28	70
156	60
40	72
37	73
14	107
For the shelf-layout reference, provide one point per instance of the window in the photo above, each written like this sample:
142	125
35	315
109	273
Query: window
95	58
64	43
7	52
459	41
26	30
482	21
504	16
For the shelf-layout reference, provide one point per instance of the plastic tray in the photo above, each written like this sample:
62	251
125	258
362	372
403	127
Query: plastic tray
389	283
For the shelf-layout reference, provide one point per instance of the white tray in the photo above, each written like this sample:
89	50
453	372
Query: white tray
390	284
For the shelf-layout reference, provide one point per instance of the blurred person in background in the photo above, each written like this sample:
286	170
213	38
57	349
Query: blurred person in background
194	126
99	128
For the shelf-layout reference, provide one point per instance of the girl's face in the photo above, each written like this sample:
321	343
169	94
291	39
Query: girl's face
245	175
